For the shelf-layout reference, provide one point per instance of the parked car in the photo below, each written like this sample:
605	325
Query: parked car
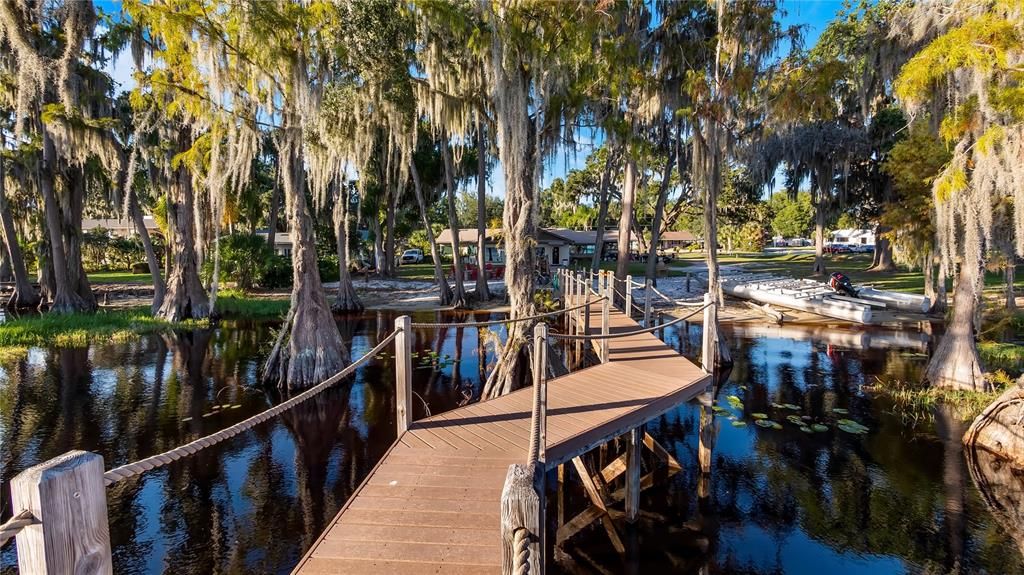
413	256
863	248
838	249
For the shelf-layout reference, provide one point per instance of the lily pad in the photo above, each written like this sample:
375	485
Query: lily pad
733	399
763	422
743	387
760	415
794	419
776	425
739	423
806	429
818	427
839	410
718	408
851	426
777	405
791	406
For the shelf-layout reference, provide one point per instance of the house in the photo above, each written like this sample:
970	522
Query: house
282	241
672	240
853	236
123	228
555	246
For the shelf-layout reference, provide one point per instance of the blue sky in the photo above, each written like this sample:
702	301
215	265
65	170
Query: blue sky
814	15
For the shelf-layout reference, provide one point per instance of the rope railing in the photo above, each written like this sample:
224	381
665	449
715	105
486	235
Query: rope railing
505	321
14	525
629	333
137	468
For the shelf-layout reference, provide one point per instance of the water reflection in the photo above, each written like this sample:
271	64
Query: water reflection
894	500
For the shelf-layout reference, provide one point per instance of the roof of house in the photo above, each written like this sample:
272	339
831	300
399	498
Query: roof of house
468	236
581	237
674	236
117	225
852	232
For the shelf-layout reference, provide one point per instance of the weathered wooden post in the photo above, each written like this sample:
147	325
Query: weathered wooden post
403	373
540	379
522	518
633	450
661	323
629	296
584	328
647	302
707	350
705	433
687	282
67	496
606	307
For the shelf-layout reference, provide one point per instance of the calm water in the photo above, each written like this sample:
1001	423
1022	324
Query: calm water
901	498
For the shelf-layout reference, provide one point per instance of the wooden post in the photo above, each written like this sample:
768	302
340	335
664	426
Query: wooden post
661	322
67	496
647	302
687	282
522	508
583	328
540	379
707	350
605	320
705	438
629	296
633	448
403	373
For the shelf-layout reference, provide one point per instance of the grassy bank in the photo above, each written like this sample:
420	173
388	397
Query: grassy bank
120	278
72	330
918	402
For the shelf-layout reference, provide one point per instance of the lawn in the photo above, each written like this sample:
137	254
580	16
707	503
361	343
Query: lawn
119	278
424	271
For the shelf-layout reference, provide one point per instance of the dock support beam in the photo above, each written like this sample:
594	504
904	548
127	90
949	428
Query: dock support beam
69	500
633	449
403	373
647	302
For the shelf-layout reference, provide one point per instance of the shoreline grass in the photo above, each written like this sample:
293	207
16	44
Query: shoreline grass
917	402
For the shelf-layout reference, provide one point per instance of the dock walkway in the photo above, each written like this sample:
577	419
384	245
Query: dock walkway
432	504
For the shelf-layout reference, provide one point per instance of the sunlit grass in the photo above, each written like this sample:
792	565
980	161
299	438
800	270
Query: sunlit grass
918	402
80	329
237	304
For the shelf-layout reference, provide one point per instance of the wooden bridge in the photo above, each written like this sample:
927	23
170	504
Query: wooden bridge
434	503
460	492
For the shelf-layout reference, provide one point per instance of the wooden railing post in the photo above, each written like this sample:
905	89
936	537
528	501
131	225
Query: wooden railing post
605	320
661	323
67	496
522	508
540	379
687	282
629	296
707	350
403	373
647	302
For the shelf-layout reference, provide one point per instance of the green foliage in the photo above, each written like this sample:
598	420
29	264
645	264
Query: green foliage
72	330
248	262
793	217
1007	357
234	303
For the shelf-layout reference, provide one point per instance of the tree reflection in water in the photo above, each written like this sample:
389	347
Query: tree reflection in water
896	499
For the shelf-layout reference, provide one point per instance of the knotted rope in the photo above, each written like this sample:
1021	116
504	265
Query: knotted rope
14	525
132	469
521	546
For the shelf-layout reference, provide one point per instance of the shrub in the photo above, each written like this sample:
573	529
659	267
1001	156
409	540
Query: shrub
248	261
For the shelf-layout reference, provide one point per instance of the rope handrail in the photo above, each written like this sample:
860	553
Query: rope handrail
521	547
629	333
15	524
132	469
505	321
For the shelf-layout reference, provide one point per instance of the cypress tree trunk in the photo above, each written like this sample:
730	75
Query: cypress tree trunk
71	213
389	236
517	152
659	212
1010	272
882	260
998	428
185	298
483	292
459	290
602	214
819	238
928	266
711	242
309	348
65	295
950	430
23	296
626	223
346	299
955	363
444	289
159	287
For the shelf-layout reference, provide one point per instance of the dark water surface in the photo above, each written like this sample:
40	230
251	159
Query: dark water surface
901	498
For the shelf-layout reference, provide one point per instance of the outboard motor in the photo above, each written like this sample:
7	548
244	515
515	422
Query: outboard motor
842	284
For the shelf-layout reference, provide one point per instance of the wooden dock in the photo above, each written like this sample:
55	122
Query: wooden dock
432	504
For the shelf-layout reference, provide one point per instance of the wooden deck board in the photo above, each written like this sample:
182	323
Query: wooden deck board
431	504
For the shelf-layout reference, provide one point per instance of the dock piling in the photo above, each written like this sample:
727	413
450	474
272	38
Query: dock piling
633	448
629	296
403	373
647	302
707	350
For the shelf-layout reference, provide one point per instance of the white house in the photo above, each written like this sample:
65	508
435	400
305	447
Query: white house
853	236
